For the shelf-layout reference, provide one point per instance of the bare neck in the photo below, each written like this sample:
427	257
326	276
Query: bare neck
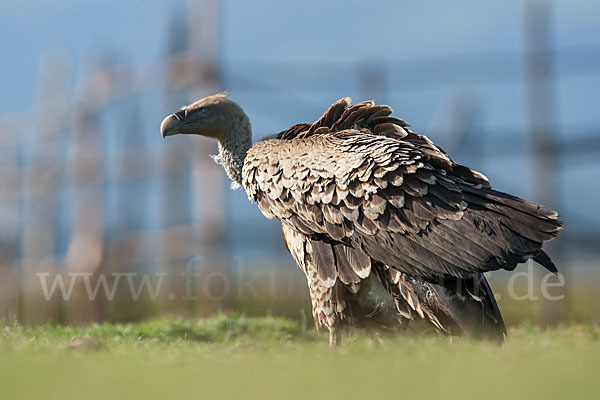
232	152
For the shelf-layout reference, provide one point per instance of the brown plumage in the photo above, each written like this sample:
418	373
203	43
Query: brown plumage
360	195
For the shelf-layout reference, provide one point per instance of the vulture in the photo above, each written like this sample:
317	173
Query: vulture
365	201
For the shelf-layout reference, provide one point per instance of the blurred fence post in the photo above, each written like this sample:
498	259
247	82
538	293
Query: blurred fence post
541	108
85	252
208	184
44	162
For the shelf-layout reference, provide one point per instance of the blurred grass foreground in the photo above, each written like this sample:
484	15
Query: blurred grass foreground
224	356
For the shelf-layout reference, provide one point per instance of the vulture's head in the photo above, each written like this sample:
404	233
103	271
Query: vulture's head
214	116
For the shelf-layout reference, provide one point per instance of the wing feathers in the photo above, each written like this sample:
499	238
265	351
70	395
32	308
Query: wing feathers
399	198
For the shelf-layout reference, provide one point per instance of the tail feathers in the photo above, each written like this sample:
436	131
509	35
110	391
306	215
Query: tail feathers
544	260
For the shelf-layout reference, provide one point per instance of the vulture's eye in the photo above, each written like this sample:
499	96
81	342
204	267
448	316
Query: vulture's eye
203	112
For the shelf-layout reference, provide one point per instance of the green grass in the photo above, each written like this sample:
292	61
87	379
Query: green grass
241	357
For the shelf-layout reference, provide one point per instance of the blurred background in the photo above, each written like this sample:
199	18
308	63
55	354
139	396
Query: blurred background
89	189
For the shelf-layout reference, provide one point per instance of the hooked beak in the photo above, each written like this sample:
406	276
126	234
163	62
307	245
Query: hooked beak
172	124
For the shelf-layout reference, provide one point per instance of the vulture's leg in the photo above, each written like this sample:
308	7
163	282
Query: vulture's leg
333	336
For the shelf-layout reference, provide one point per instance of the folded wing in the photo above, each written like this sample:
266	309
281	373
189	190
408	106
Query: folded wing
360	178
